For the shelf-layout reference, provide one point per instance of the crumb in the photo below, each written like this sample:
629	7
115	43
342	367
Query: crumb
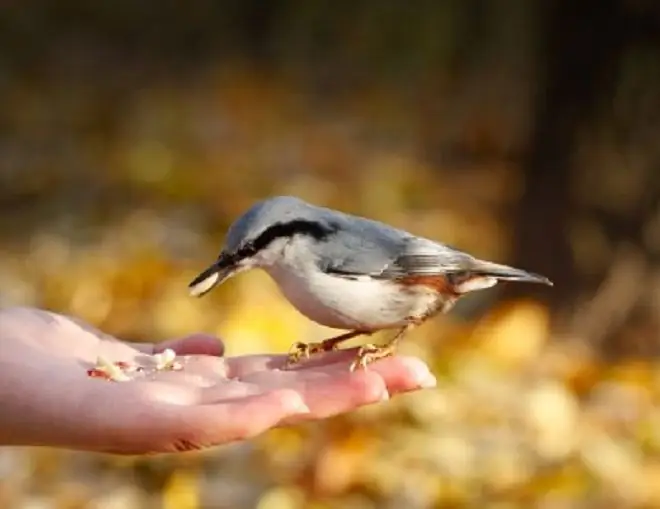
108	370
118	371
97	373
166	361
127	367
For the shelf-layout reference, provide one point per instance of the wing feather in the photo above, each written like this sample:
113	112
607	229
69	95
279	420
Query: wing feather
379	251
424	259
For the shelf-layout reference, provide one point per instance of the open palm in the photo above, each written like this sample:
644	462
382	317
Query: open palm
47	398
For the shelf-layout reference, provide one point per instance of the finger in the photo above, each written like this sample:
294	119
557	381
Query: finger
400	373
404	374
327	390
195	344
242	366
340	392
238	419
343	357
332	389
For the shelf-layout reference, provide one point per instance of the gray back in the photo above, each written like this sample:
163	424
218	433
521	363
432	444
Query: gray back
358	246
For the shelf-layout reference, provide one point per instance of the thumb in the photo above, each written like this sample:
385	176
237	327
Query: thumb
195	344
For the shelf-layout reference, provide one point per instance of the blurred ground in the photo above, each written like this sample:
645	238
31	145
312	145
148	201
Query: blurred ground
121	170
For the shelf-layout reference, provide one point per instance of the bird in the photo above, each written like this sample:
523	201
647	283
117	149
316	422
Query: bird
350	273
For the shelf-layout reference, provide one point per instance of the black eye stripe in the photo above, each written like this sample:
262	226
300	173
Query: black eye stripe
311	229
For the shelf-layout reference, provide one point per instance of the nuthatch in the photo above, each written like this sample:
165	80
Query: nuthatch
351	273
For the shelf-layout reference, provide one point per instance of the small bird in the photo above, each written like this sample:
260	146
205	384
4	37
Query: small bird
349	272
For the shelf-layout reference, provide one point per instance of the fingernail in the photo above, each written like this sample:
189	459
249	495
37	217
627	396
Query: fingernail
427	381
385	396
296	405
302	409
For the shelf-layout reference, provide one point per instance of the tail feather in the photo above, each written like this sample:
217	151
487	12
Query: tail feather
507	273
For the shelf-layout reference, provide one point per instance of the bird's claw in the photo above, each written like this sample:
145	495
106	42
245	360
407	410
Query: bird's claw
301	351
370	353
297	352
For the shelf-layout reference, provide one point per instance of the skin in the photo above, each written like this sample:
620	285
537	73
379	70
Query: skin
47	398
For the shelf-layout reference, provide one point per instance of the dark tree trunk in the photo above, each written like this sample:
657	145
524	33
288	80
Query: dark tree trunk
580	47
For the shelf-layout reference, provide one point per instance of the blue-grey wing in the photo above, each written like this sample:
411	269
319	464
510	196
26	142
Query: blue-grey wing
391	254
420	260
359	252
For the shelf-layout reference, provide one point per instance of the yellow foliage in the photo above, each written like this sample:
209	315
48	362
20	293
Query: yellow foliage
513	335
260	319
282	498
634	372
517	420
181	490
552	415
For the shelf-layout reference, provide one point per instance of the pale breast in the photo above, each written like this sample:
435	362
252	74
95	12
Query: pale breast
363	304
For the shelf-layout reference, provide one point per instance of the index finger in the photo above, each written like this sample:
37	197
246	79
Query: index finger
245	365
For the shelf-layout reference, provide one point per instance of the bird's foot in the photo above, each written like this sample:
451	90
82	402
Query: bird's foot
370	353
301	351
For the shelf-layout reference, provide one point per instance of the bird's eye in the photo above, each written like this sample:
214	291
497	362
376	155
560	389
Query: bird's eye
247	249
244	251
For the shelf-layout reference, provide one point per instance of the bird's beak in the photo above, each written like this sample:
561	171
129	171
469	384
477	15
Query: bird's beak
506	273
223	269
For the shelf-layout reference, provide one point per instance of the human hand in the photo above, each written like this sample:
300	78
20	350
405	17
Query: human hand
47	398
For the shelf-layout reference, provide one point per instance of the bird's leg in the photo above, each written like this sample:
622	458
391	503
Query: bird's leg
302	350
370	353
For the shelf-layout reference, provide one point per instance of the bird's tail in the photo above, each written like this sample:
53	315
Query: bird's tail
506	273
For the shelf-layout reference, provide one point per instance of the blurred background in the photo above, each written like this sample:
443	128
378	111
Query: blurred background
133	133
